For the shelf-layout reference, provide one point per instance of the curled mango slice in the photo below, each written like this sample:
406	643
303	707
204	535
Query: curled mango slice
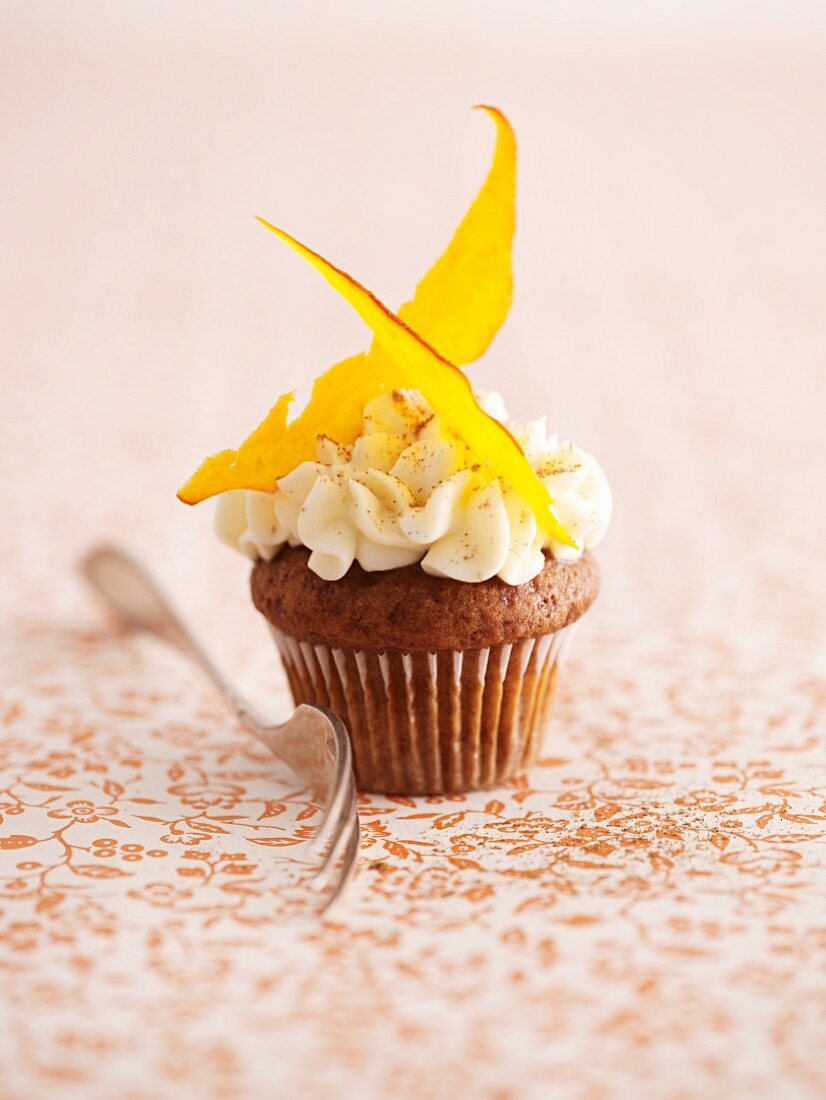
413	364
457	308
250	467
460	304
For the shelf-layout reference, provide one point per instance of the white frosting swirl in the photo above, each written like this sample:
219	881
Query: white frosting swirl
407	491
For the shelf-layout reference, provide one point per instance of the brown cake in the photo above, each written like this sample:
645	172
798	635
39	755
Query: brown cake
444	685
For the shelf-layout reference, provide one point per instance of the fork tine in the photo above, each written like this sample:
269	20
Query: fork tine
339	830
340	790
346	825
346	870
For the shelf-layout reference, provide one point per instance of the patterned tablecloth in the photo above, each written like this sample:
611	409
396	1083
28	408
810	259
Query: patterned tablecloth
643	914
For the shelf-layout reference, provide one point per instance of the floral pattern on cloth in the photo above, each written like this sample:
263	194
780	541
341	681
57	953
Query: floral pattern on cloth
153	859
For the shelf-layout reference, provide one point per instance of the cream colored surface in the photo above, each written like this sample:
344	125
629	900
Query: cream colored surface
406	491
644	918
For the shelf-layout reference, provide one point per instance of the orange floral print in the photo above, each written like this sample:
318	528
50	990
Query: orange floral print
205	796
83	812
639	900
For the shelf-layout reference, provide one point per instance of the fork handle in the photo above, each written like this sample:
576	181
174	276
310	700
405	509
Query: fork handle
132	593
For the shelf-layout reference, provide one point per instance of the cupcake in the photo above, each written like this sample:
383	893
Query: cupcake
420	558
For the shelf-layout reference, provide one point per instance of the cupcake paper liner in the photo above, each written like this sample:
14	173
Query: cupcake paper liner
429	723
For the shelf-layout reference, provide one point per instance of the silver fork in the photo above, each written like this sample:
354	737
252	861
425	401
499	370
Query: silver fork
313	742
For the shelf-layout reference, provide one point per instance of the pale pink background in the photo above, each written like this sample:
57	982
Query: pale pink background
670	281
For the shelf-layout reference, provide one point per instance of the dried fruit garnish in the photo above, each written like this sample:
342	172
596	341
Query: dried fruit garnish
457	308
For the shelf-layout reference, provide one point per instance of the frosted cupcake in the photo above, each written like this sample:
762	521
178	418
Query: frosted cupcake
419	557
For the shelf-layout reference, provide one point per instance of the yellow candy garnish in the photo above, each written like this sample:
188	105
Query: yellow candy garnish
460	304
457	307
250	467
413	364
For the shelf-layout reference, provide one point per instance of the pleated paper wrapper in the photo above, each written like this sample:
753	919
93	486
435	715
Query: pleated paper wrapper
427	723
